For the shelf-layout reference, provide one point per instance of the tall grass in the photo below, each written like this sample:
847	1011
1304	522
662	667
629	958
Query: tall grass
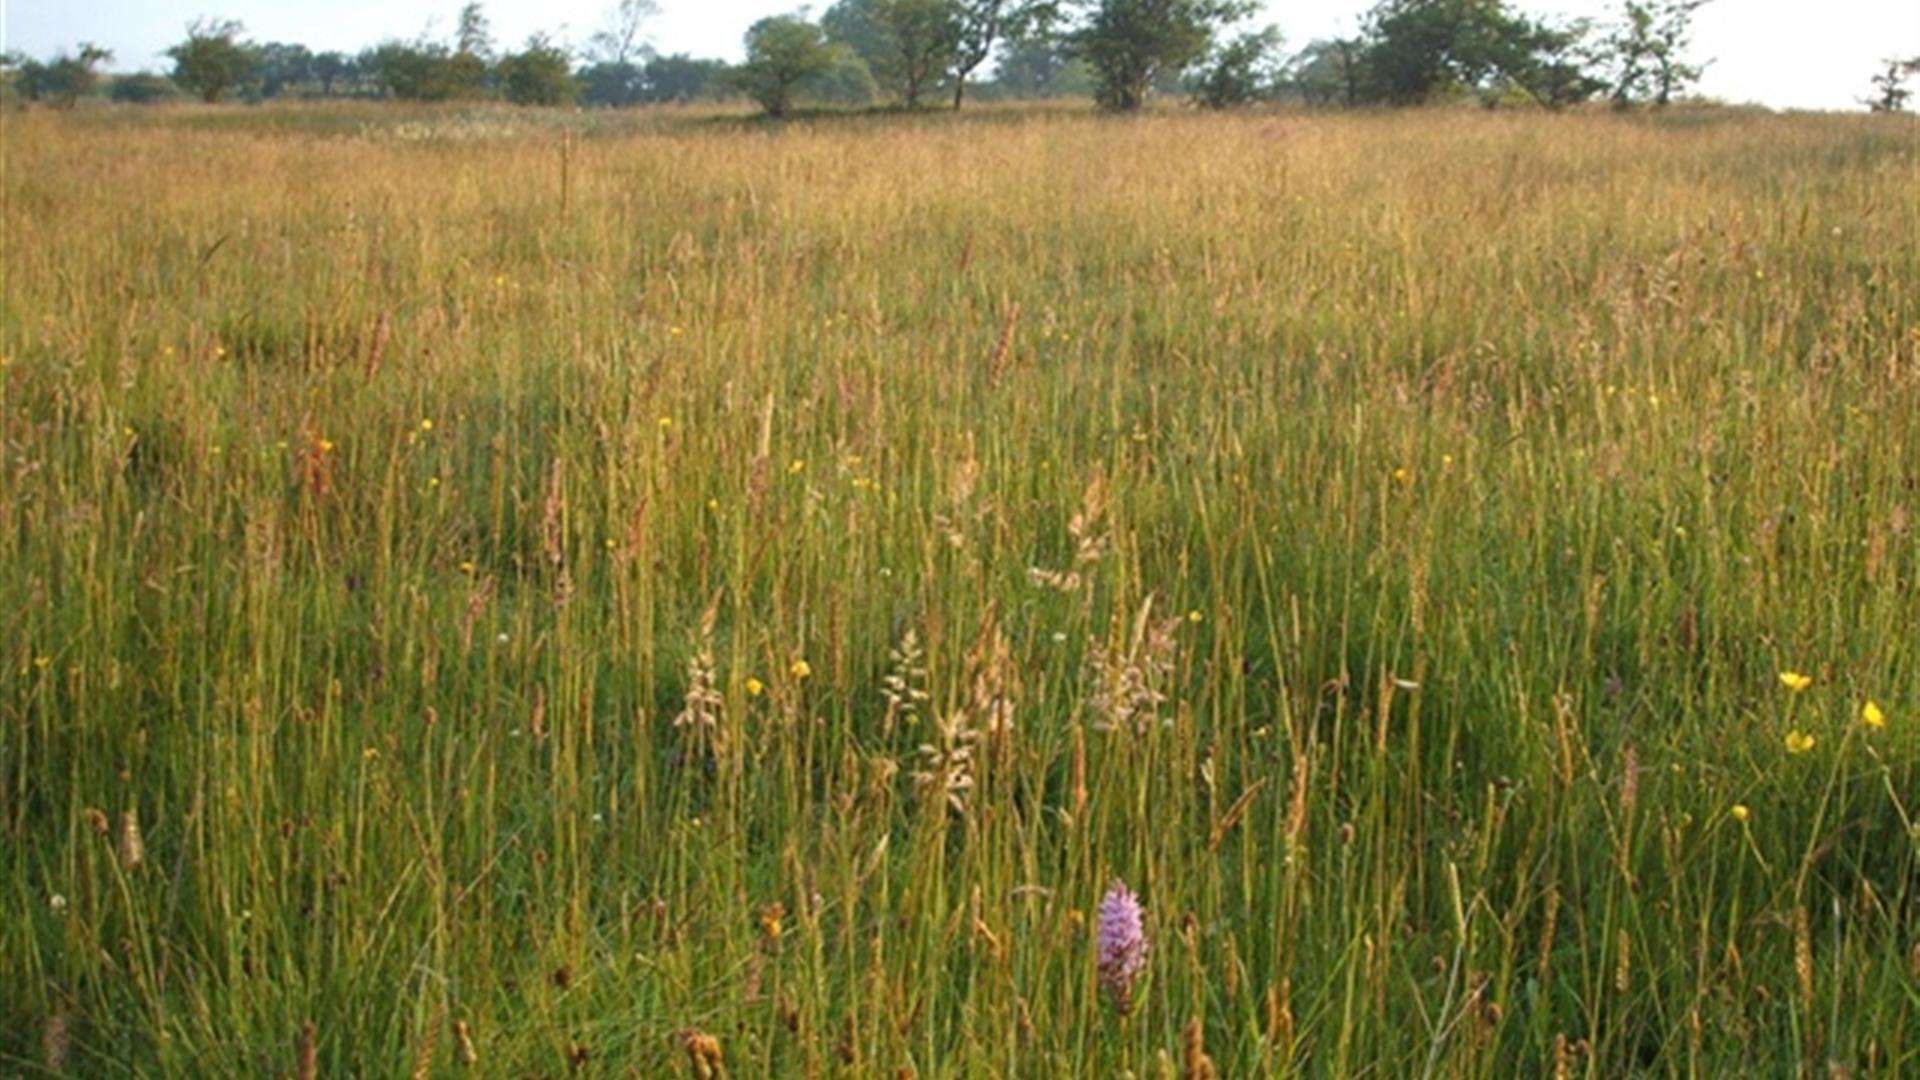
481	596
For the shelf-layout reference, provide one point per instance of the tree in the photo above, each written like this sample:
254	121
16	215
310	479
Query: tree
142	88
848	82
473	34
681	78
1040	66
1558	72
782	51
410	71
1890	93
213	60
1647	51
612	83
280	67
1131	43
982	24
922	39
11	63
856	24
1424	50
1239	72
900	43
63	80
465	71
330	68
619	41
541	73
1330	71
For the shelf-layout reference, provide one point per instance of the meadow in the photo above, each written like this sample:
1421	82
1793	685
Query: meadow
543	595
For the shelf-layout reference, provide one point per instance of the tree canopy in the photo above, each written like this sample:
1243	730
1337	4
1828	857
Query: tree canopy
212	62
1131	43
782	52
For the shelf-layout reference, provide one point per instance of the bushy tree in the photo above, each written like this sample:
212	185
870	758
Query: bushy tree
1041	66
856	25
1331	71
1240	71
142	88
426	70
1130	44
923	38
907	45
782	52
280	68
63	80
541	73
1426	50
681	78
1558	70
1648	51
1417	51
847	82
213	61
408	70
612	83
330	69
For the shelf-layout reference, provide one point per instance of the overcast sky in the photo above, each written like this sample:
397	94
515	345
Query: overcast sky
1783	53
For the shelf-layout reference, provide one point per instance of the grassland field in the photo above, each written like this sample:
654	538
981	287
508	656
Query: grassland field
658	595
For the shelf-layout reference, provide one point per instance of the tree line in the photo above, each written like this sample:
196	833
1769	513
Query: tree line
916	53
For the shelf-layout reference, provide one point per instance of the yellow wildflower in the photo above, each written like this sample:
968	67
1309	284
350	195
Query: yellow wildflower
1740	813
1871	716
755	687
1795	681
1799	742
800	669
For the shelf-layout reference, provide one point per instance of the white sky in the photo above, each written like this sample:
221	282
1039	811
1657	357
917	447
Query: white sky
1783	53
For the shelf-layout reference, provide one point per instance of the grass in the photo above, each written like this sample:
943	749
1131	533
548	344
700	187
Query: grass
633	589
